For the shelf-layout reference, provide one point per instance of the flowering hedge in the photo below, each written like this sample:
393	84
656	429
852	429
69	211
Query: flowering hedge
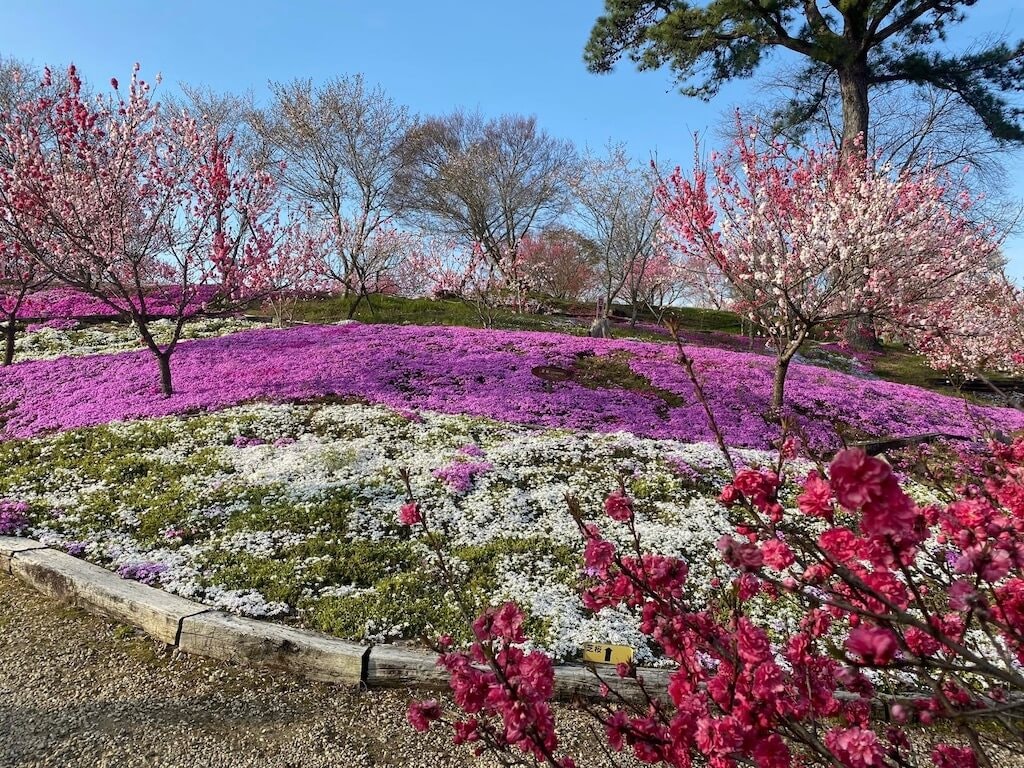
480	373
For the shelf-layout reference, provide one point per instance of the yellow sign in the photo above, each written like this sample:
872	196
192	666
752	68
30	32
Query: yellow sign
607	653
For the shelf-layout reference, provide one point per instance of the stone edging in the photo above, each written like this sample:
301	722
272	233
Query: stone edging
197	629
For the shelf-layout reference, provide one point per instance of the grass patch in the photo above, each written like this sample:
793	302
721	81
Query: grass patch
268	507
705	320
415	603
317	561
613	372
422	311
401	311
896	364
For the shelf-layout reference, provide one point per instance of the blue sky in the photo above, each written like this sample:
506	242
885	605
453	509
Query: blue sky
523	57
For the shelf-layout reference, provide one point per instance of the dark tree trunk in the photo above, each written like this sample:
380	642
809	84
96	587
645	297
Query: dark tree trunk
164	361
369	305
9	334
861	334
779	382
853	88
355	305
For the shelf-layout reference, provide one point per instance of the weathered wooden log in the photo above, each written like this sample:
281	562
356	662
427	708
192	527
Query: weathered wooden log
573	681
312	655
9	545
389	666
98	590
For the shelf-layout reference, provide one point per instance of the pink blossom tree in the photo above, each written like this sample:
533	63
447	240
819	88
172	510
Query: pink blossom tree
383	254
819	239
443	268
429	271
559	263
654	283
126	203
973	332
20	277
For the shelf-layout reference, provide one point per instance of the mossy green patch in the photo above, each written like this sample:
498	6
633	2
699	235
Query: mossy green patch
287	575
417	603
613	372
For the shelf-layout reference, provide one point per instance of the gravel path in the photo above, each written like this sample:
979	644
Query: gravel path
76	690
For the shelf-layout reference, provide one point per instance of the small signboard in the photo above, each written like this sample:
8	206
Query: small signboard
607	653
550	373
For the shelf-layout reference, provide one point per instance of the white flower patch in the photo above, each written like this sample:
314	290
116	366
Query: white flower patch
45	343
247	602
260	543
278	475
342	590
307	466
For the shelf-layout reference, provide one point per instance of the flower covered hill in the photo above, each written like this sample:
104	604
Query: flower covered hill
618	385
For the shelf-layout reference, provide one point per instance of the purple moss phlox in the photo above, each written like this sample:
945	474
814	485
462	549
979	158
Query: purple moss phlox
13	517
478	373
145	573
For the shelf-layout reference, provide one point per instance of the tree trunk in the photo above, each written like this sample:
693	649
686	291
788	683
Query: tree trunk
369	305
853	89
355	305
779	382
164	360
9	332
861	334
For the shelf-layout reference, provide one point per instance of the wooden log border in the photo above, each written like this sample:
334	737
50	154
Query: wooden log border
200	630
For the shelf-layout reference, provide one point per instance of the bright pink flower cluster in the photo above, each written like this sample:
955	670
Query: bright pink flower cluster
733	688
409	513
619	506
758	488
882	585
505	691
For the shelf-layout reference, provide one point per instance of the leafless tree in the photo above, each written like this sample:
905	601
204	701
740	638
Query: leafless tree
616	210
486	182
232	114
339	147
